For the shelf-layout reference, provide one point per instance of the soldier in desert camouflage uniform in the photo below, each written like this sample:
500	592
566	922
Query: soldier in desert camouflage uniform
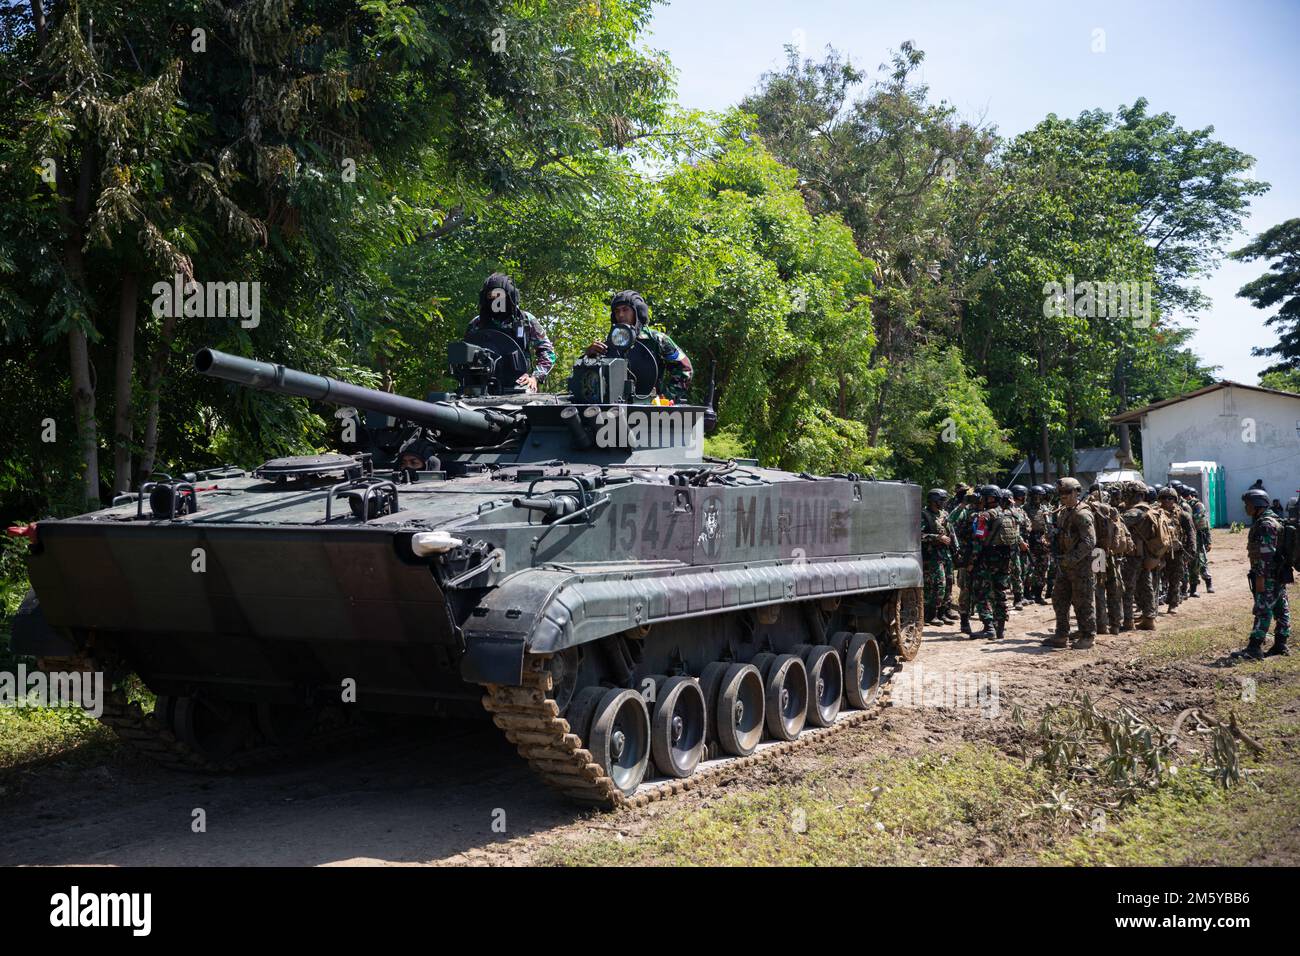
1075	584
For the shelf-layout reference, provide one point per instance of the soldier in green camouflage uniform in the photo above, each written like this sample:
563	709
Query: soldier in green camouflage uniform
1270	573
498	308
675	371
1020	557
1076	540
1176	560
936	554
1200	564
961	518
994	535
1039	543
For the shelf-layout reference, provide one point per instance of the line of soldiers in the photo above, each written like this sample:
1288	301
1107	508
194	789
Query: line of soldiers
1114	556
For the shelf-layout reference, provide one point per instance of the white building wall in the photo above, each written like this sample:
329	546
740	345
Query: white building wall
1218	427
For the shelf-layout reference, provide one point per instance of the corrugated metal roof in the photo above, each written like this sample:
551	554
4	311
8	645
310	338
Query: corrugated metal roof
1135	414
1085	459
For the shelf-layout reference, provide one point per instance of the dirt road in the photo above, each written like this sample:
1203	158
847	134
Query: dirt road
443	797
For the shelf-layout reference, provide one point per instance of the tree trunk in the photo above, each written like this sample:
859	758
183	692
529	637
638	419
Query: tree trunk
122	422
153	388
83	387
83	404
1045	441
38	20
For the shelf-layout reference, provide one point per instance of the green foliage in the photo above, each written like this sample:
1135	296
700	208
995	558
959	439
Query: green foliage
859	269
1280	286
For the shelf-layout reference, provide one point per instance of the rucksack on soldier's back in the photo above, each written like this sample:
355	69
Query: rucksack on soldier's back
1289	545
1157	532
1121	542
1008	530
1111	531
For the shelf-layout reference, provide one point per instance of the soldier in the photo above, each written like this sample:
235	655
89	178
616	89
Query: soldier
1138	566
963	517
1006	503
1053	529
1039	545
1075	584
1109	597
675	372
1020	573
1201	520
1270	573
1190	550
936	554
498	308
958	496
994	536
1158	569
1185	533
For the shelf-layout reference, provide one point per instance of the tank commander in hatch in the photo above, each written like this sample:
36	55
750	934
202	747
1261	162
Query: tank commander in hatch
498	308
629	308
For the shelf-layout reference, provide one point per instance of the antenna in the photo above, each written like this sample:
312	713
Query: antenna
710	415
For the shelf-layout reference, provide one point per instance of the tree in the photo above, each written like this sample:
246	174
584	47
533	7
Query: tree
263	151
1189	192
1280	246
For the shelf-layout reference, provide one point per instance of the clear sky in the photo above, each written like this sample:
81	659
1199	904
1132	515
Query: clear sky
1231	65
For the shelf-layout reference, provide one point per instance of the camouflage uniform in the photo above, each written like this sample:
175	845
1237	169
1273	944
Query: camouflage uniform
935	559
962	517
1191	552
1201	519
1138	590
675	371
534	338
1039	547
1019	564
1176	560
1109	598
1270	573
992	566
1075	583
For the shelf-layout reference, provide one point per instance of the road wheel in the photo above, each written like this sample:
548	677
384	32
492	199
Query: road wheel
620	738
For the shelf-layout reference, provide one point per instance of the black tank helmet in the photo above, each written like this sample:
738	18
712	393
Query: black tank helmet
503	304
937	494
1004	494
1019	491
633	299
1257	496
1036	491
1151	493
990	492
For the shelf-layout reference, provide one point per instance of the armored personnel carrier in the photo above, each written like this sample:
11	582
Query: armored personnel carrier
627	609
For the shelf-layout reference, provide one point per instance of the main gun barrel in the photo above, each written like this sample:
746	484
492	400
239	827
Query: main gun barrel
268	377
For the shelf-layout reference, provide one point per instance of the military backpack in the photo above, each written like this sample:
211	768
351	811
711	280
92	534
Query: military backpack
1008	531
1112	533
1157	532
